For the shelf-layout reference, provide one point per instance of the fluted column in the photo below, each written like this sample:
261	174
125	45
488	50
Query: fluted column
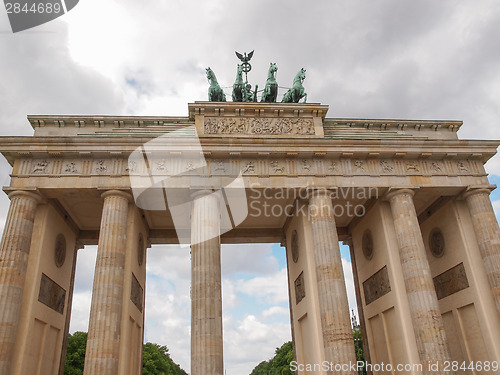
334	307
103	343
424	308
488	236
206	298
14	253
359	302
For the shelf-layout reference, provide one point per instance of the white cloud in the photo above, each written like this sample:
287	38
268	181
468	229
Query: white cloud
249	341
275	310
271	289
427	59
254	259
80	311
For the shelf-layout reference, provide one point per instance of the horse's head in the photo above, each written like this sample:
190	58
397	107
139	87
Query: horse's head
301	75
273	68
239	69
210	73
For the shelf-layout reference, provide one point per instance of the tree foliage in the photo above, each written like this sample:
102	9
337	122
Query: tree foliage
75	356
279	364
156	359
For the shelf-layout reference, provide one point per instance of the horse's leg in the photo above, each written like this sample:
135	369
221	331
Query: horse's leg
305	97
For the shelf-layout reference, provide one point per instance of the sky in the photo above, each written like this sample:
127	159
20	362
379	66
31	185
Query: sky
399	59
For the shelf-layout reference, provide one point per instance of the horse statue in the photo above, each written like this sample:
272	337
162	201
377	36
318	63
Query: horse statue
239	88
215	93
271	90
297	92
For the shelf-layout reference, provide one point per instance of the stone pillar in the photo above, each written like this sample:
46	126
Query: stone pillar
334	309
488	236
424	308
206	297
14	253
103	343
359	302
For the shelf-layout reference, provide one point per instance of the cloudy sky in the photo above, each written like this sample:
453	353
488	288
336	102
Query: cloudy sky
366	59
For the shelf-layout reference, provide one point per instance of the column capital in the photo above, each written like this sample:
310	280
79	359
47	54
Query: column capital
480	189
317	192
33	194
200	193
119	193
397	191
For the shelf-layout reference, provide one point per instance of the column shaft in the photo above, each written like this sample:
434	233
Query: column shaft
206	296
359	302
424	308
488	236
14	253
334	307
103	343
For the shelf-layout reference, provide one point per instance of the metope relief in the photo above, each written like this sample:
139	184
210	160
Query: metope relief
40	167
259	126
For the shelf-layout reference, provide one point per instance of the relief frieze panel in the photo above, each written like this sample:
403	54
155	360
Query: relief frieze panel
262	166
259	126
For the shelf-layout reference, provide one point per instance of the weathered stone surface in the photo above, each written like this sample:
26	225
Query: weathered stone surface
333	304
377	285
488	236
300	288
452	281
51	294
136	293
424	309
14	252
103	343
206	292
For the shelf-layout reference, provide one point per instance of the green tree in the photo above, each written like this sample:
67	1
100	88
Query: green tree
358	347
157	361
279	364
75	356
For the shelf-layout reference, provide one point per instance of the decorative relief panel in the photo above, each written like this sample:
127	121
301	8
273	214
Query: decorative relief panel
436	242
101	166
451	281
168	164
60	250
71	167
295	247
140	250
259	126
300	289
377	285
386	166
40	167
51	294
136	293
367	244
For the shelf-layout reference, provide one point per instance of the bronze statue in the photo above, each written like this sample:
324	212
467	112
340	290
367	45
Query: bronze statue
239	87
215	93
271	90
297	91
245	62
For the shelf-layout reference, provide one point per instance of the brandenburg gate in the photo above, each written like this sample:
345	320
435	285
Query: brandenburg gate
409	197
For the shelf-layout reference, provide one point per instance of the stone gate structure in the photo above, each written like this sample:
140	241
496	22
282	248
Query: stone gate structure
409	198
